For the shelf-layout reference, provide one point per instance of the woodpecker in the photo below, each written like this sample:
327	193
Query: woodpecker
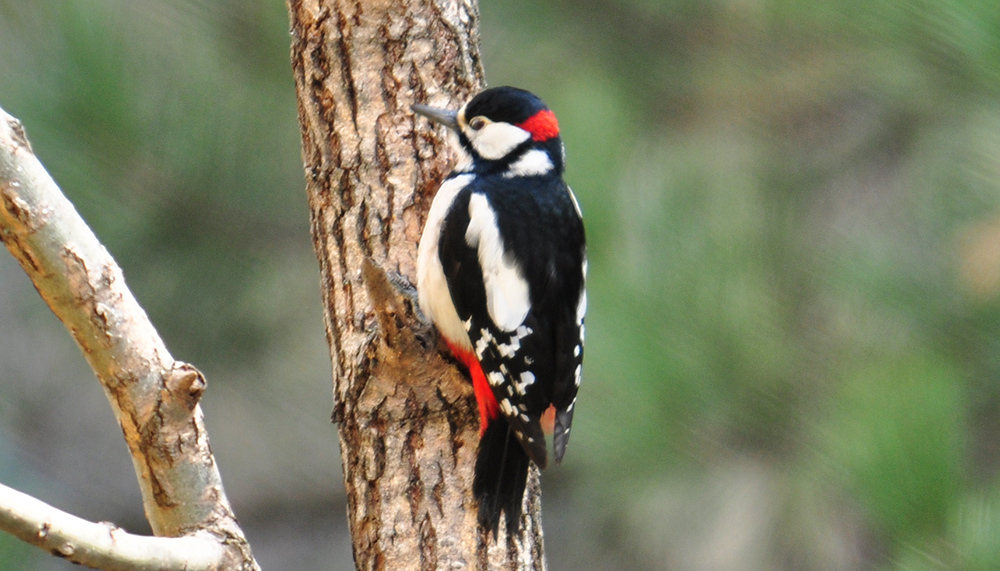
501	272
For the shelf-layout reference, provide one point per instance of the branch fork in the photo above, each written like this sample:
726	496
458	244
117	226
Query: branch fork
154	398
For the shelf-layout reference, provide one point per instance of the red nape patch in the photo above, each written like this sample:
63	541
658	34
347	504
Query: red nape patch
488	407
542	125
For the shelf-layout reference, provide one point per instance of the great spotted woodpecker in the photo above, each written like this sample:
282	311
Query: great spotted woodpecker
501	272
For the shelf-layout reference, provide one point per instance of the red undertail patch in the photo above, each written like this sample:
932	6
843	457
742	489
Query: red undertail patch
488	407
548	420
542	125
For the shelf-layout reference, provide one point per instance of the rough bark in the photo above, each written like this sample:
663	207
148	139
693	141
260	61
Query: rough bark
154	397
407	423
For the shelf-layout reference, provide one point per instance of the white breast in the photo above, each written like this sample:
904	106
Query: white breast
432	287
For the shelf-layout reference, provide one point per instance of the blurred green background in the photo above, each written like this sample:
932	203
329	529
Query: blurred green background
794	220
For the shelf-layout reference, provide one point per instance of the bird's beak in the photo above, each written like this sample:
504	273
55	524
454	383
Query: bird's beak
445	117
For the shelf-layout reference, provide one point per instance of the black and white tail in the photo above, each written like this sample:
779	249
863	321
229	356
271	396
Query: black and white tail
501	474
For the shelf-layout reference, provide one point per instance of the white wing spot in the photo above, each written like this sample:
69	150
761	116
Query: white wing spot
576	351
508	350
506	407
527	378
506	290
495	378
578	374
484	341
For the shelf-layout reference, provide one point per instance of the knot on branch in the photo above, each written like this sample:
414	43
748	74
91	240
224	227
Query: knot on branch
186	384
15	206
17	134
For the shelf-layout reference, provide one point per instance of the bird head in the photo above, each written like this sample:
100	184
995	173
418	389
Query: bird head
504	129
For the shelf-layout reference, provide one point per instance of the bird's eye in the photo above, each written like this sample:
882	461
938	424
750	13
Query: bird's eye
477	123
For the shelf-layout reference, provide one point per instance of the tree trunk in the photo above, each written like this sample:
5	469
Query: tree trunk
407	422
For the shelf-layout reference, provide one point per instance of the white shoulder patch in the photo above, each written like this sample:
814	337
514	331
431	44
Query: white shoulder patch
534	162
506	290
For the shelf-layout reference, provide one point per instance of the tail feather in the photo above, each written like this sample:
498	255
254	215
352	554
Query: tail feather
564	418
501	474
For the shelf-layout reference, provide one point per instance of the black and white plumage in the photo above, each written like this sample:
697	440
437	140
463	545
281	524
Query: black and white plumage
501	272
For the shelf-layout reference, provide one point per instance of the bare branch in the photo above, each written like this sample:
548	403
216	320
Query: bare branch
154	398
102	545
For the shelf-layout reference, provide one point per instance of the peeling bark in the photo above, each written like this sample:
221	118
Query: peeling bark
407	421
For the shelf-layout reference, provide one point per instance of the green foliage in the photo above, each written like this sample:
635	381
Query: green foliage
896	434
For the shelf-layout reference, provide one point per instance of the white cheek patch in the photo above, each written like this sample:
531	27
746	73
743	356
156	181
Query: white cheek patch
506	290
535	162
495	140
